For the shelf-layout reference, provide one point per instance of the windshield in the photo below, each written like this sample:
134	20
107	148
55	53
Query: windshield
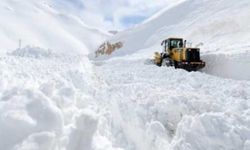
176	43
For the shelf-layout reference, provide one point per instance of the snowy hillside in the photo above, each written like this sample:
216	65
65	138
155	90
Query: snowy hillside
43	24
53	97
222	22
222	26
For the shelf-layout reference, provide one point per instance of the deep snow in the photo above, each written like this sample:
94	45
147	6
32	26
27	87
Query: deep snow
38	97
162	108
58	99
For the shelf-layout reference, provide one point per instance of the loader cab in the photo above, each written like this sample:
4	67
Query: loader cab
172	43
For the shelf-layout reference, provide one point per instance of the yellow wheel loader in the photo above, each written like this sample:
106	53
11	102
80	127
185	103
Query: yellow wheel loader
175	53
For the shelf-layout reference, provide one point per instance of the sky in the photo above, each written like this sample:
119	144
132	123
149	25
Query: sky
117	14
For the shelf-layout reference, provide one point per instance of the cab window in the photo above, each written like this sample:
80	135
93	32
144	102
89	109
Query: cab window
176	43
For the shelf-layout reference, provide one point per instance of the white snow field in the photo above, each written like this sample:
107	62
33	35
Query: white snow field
54	97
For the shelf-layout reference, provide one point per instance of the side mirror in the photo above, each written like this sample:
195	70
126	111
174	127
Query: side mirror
162	43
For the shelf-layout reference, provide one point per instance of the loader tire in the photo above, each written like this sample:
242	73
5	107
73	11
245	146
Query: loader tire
160	63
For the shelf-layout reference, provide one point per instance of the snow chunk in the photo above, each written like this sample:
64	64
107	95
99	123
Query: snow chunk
38	141
81	135
25	112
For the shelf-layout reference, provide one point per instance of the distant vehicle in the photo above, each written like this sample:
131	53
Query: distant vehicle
175	53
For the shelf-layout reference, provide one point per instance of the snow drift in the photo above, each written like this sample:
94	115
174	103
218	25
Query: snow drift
229	65
45	101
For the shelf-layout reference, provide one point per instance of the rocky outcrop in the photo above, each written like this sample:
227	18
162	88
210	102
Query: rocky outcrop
108	48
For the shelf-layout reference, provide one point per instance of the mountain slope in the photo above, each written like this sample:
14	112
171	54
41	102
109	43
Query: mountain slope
214	23
43	24
216	26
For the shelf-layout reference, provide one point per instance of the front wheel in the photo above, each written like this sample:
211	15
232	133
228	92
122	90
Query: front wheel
167	62
159	62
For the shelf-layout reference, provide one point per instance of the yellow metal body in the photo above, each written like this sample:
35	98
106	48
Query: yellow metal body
178	54
175	53
157	58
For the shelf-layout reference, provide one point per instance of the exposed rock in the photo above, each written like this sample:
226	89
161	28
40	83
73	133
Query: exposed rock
108	48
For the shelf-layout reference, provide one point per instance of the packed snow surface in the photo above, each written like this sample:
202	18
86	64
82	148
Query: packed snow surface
54	97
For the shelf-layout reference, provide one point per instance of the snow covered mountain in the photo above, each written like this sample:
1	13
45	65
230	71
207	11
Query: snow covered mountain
45	24
53	97
222	22
220	26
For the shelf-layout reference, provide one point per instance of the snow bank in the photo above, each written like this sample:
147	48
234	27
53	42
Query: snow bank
212	131
81	135
45	103
229	65
24	112
38	141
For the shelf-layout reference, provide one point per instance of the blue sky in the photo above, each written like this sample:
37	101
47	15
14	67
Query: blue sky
117	14
129	21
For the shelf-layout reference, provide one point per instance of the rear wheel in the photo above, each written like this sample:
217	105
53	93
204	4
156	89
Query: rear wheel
166	60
